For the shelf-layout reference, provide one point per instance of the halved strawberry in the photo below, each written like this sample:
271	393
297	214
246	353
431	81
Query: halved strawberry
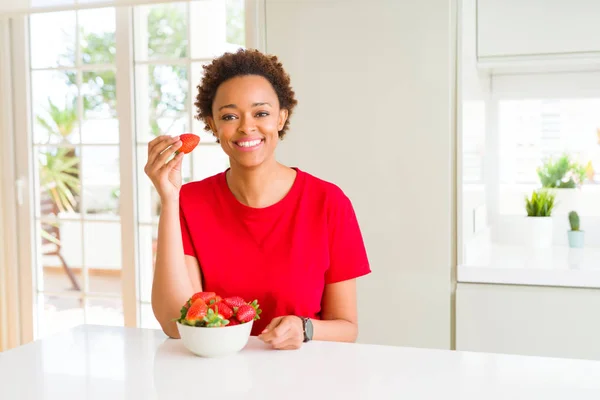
197	311
206	296
223	309
234	301
189	142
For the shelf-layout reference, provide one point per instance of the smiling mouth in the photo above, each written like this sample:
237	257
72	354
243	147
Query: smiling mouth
248	144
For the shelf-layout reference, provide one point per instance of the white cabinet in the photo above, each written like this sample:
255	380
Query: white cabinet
543	28
538	321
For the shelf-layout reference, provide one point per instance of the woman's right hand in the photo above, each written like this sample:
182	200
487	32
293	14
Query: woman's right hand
166	176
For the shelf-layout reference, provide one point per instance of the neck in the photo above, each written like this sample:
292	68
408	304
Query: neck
261	186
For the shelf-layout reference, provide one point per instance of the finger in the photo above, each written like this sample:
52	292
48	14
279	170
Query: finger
159	148
267	333
156	141
274	322
162	159
280	333
175	163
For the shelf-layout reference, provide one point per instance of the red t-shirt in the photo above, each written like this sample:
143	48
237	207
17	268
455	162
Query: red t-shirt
282	255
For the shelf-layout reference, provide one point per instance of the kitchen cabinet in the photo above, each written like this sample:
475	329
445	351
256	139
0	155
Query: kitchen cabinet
528	320
542	29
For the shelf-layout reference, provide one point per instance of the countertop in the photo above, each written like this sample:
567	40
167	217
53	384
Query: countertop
520	265
96	362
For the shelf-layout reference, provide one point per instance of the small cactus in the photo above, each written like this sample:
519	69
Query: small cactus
574	220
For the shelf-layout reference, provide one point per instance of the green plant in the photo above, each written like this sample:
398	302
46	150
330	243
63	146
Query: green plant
59	177
540	204
574	220
59	122
562	173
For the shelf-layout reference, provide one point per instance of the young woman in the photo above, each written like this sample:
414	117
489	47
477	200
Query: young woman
260	229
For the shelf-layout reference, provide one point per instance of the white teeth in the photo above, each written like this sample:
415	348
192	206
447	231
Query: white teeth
251	143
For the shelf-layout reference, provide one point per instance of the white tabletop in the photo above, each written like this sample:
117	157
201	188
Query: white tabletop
94	362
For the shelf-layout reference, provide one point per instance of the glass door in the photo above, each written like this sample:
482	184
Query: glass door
74	155
75	161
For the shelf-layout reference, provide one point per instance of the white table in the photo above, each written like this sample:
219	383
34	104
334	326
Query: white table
94	362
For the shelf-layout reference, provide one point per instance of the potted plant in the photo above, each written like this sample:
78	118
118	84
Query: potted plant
576	236
564	178
539	218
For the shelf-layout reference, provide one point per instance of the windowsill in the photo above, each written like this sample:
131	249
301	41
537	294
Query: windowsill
519	265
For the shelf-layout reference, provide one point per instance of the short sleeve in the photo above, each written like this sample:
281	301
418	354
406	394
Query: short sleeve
188	247
347	254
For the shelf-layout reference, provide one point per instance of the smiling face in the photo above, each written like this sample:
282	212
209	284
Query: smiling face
247	120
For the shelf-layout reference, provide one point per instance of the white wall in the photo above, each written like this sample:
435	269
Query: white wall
375	86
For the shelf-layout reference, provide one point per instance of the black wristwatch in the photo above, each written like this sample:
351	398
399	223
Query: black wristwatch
307	327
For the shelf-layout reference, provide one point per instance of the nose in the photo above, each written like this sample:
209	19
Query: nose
247	124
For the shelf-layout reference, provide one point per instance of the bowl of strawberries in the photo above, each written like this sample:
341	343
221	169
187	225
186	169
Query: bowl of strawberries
215	326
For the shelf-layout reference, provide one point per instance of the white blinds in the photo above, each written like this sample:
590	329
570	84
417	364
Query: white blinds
16	7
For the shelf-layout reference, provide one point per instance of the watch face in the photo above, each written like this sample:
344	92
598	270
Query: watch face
309	329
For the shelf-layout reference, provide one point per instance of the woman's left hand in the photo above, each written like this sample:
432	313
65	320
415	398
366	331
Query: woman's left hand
284	333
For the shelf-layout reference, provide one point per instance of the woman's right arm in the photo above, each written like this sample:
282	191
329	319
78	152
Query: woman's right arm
176	276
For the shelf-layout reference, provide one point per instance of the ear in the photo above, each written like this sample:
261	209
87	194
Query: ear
213	127
283	116
211	123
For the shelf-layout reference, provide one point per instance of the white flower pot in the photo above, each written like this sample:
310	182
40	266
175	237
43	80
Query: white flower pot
539	232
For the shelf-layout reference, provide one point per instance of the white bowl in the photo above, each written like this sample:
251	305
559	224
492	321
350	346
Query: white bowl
215	341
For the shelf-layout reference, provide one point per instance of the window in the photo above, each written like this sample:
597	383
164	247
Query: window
516	139
76	153
534	130
473	141
76	146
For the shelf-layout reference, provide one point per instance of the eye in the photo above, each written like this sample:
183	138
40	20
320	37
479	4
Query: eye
262	114
228	117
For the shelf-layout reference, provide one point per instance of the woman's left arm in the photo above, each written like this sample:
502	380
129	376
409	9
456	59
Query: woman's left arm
339	320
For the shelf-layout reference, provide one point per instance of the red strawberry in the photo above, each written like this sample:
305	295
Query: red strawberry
233	322
206	296
189	142
196	312
235	301
246	313
223	309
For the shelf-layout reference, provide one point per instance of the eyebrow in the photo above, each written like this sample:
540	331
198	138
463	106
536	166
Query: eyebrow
253	105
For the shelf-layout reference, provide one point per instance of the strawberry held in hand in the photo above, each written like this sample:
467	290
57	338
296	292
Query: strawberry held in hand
189	141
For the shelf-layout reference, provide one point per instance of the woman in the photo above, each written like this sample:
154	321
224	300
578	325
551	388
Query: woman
260	230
